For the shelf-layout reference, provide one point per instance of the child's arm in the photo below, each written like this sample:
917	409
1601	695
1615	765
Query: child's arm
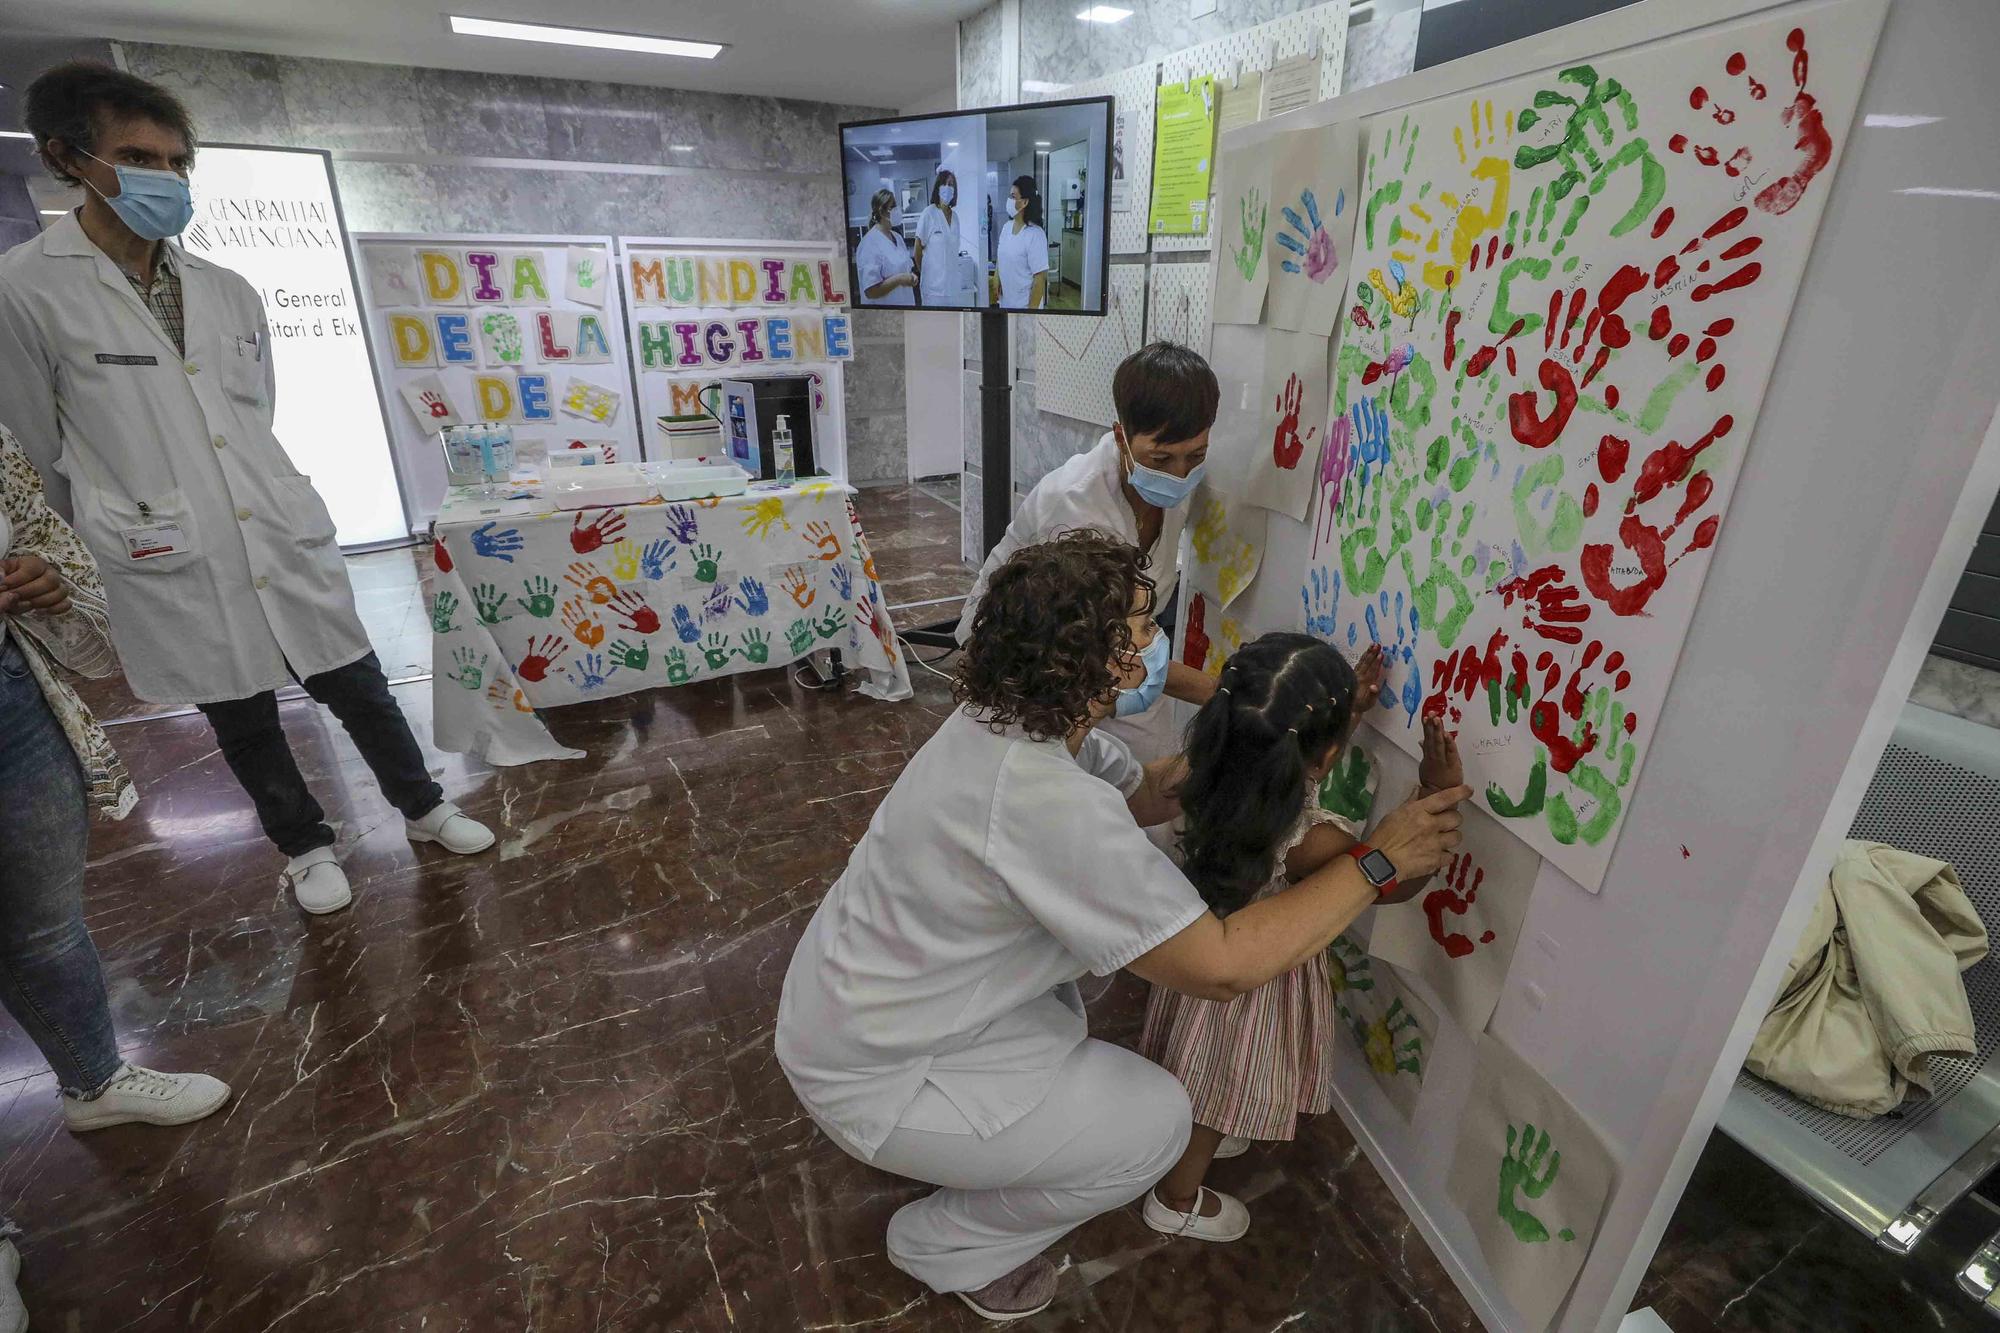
1321	844
1158	799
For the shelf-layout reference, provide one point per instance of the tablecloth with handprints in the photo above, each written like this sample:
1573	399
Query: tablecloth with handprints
542	610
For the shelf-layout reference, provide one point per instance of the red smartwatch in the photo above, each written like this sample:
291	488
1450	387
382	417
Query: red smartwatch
1376	868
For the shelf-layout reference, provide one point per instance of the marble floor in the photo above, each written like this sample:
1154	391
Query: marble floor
535	1089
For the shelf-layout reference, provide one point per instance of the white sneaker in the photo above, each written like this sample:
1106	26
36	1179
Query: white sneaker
146	1097
1231	1220
13	1313
318	882
451	828
1231	1147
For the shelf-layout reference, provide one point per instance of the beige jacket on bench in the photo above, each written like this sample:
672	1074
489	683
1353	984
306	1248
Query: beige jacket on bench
1873	988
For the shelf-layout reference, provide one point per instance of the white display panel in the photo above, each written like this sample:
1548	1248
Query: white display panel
272	215
461	352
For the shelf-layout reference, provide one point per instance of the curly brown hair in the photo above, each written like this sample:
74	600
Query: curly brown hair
1053	618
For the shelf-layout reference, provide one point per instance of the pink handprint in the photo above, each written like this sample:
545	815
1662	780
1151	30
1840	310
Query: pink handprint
1286	445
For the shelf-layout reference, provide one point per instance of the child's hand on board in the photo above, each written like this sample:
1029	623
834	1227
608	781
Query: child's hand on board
1367	680
1440	766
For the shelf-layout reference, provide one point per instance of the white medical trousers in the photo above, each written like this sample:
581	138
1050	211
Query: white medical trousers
1112	1124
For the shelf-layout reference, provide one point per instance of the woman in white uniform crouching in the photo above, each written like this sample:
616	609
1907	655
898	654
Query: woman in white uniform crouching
930	1020
1134	485
1023	258
881	260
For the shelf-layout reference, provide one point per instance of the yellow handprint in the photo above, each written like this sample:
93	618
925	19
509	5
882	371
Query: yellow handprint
1211	528
816	490
1480	211
1402	298
758	517
1237	571
625	561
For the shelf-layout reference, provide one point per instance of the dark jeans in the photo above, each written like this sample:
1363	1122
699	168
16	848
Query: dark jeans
255	747
50	979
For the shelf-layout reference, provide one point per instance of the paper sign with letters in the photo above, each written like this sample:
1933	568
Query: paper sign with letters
441	274
430	402
411	340
527	277
497	396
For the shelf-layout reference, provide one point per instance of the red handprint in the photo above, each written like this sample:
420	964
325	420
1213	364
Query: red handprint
1604	326
1286	444
1556	614
637	616
1545	718
1813	143
1194	649
434	403
543	653
605	527
1457	898
1463	672
440	557
1666	466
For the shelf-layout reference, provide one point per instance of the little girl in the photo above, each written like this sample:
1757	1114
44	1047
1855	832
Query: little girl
1256	753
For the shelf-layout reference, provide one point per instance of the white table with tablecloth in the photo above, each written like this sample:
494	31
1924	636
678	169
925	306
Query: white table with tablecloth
537	608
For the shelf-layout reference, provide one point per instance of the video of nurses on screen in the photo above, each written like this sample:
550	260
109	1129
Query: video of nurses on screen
1003	208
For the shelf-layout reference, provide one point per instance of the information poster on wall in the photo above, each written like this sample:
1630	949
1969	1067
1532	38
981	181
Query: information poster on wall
1183	153
272	216
700	314
522	331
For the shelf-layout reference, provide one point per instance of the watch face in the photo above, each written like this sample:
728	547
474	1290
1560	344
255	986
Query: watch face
1379	868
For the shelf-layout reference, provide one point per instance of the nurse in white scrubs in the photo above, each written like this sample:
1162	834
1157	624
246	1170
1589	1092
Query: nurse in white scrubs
940	243
930	1020
1023	258
881	259
1134	486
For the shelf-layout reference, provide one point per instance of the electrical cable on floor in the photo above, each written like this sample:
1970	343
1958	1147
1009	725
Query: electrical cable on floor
910	651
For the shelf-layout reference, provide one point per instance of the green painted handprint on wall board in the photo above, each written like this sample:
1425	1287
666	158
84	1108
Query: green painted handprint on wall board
1528	1168
1249	256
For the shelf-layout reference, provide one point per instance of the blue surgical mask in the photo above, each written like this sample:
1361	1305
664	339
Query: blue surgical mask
1144	695
946	194
1164	489
156	205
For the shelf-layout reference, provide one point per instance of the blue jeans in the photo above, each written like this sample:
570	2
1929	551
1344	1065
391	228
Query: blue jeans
50	979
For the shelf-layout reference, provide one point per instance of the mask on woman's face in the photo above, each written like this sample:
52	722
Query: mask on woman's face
1163	489
1013	206
947	194
1147	692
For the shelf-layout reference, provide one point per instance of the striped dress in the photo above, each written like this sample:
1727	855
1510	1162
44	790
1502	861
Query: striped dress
1253	1064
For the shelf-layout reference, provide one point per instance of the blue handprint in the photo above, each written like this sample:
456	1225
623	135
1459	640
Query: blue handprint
1312	245
498	545
1321	595
657	559
591	671
680	522
715	603
843	582
685	626
1409	696
754	599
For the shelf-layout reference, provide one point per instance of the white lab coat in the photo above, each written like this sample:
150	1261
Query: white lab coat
877	257
943	278
113	416
1022	254
1088	492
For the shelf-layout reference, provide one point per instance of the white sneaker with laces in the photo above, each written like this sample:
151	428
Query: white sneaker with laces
452	829
1230	1222
1231	1147
318	882
146	1097
13	1313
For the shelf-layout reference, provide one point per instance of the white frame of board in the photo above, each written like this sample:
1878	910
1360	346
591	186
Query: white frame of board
382	357
1797	662
833	464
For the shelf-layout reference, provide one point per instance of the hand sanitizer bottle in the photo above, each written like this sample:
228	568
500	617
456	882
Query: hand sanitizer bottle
781	451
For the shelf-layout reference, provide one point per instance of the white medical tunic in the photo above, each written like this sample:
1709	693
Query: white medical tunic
1022	254
996	872
942	281
880	256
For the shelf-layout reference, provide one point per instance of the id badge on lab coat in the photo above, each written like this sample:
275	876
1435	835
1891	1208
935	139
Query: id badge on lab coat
149	540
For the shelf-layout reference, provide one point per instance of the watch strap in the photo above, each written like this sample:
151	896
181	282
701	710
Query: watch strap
1360	851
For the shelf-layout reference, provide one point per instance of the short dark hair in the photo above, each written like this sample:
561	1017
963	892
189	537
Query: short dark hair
64	103
1053	617
1167	391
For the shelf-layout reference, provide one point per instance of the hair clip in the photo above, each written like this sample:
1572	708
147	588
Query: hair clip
1222	689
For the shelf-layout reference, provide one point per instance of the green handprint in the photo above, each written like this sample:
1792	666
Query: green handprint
1250	255
1348	789
716	651
799	636
586	273
541	599
1604	717
487	600
504	331
1579	157
1404	136
443	607
1525	1172
471	674
756	645
1532	798
835	622
705	557
631	656
677	667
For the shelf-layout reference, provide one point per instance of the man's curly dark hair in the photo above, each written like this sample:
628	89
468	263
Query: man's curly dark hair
1053	618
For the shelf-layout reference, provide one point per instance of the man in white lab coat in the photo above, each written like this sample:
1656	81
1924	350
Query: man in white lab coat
139	379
